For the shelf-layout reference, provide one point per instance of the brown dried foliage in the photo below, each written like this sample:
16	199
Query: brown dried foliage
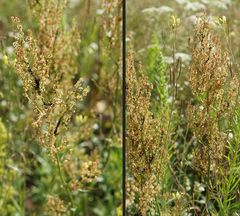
146	154
214	90
46	64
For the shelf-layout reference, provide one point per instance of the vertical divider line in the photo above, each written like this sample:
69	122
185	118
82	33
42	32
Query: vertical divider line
124	108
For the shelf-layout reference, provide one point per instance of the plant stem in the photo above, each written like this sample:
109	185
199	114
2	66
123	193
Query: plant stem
66	186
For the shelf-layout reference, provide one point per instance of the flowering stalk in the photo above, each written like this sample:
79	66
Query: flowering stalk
146	153
215	91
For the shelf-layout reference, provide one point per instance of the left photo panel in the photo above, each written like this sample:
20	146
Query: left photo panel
61	107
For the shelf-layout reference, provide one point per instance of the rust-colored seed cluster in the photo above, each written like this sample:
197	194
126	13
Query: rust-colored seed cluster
146	154
46	63
214	90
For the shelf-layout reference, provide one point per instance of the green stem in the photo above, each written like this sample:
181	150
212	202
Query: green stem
64	183
208	181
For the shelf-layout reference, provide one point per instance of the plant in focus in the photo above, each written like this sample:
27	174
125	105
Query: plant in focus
201	90
147	155
47	65
64	153
215	91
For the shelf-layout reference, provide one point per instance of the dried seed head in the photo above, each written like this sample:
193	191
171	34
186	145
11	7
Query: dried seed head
47	65
146	154
214	91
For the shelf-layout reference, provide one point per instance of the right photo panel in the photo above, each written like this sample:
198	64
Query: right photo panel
182	108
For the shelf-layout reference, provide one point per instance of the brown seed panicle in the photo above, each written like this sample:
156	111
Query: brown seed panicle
146	154
214	91
47	66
